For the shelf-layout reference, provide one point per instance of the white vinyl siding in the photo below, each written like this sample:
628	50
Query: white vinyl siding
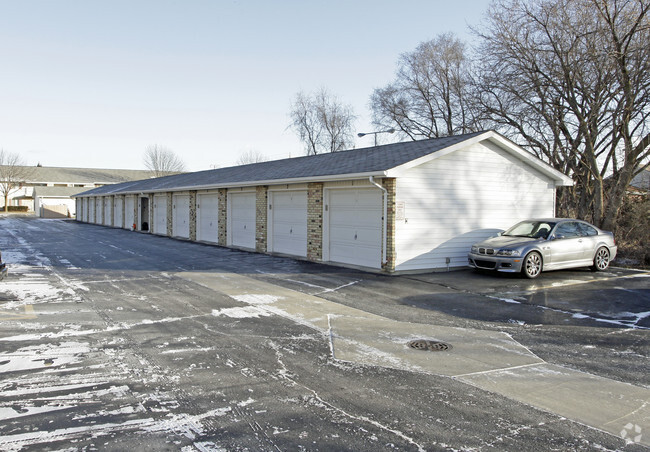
181	216
207	211
451	202
287	217
160	214
353	230
117	211
241	219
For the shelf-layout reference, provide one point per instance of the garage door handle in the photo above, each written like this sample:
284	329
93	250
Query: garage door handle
291	231
355	236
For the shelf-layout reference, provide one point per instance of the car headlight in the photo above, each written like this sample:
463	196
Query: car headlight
475	249
507	252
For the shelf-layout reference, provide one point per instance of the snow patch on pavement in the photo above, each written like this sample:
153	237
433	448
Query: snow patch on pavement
245	312
42	356
257	298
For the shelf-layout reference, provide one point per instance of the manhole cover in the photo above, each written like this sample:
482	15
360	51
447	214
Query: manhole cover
423	344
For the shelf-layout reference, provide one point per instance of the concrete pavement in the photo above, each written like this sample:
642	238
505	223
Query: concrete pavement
492	361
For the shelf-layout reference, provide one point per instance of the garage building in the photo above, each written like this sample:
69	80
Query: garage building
413	206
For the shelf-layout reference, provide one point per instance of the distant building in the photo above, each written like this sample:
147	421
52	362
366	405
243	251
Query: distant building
640	185
49	190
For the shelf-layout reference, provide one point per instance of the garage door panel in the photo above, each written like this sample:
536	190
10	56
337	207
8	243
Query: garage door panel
181	220
160	214
128	212
117	215
242	224
208	218
355	226
289	222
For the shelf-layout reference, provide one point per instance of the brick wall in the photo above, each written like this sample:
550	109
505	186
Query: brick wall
193	215
390	184
261	208
223	216
315	221
170	215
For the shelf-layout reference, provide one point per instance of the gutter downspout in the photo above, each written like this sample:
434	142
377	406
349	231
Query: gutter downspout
385	221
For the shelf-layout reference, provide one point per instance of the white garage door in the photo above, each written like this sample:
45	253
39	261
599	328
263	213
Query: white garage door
107	211
91	210
242	220
129	206
288	225
207	211
160	214
117	212
84	215
354	226
181	216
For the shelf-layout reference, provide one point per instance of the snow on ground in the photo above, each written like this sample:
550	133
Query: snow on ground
70	367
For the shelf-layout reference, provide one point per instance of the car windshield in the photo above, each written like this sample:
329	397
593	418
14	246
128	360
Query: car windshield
530	229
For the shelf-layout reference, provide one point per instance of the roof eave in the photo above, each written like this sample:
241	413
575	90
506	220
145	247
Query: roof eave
252	183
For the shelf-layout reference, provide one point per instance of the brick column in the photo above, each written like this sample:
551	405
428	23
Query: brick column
390	185
261	203
193	215
315	221
223	216
170	214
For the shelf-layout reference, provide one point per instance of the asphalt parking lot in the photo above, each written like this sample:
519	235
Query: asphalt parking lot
115	340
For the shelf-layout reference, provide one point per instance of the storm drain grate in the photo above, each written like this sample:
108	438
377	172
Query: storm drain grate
423	344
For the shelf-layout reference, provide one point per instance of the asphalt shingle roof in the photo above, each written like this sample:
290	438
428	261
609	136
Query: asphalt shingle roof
358	161
44	174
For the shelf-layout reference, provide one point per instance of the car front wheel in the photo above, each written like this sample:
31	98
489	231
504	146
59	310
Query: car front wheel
532	265
601	259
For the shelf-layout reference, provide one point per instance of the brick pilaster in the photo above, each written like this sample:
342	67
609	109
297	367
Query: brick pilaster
170	214
315	221
261	203
193	215
223	216
390	185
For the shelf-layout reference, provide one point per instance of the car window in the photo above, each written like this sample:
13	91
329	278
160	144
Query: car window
533	229
587	230
568	230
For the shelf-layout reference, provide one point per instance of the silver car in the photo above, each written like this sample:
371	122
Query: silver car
534	246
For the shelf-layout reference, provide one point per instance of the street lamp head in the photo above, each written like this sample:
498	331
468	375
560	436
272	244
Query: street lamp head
361	134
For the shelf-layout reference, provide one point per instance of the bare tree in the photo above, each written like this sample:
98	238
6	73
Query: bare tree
322	122
572	77
251	156
430	96
162	161
13	173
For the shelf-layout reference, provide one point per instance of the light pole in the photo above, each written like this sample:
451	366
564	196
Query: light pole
363	134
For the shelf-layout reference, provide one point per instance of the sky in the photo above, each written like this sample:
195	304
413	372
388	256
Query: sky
92	83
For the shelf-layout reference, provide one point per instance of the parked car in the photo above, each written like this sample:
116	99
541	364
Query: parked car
3	268
534	246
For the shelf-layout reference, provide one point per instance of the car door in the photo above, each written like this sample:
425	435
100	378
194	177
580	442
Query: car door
589	240
567	245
